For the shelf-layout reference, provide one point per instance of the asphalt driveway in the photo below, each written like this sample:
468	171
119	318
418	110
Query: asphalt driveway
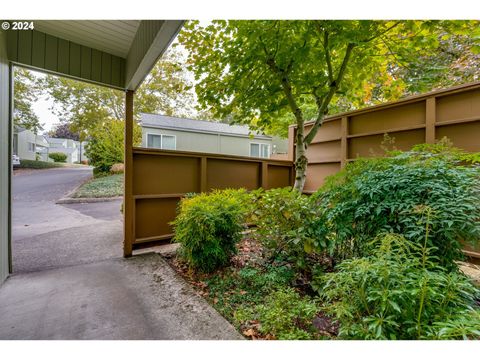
46	234
71	282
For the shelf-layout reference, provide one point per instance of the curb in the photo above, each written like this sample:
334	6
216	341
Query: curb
69	200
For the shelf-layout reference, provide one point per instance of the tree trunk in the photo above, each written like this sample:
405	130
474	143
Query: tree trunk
301	161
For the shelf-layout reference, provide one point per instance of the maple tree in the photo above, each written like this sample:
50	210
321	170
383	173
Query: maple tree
26	93
84	106
63	131
274	73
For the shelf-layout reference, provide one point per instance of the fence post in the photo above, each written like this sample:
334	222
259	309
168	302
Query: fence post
203	174
343	142
430	119
128	177
264	175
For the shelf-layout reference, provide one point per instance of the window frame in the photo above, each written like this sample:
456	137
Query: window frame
161	141
260	145
174	141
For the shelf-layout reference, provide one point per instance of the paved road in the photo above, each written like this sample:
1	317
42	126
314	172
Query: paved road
71	282
46	234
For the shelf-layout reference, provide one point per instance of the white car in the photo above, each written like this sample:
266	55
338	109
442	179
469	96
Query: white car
15	160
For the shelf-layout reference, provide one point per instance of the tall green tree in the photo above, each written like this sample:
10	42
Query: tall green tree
265	72
63	131
166	90
106	144
26	93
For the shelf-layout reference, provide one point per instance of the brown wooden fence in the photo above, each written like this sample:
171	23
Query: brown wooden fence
161	177
454	113
155	180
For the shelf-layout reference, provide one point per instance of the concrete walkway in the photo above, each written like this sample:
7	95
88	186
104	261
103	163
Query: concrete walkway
71	282
137	298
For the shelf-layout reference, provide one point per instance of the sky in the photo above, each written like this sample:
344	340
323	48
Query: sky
47	118
42	108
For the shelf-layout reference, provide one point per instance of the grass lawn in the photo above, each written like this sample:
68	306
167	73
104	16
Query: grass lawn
34	164
107	186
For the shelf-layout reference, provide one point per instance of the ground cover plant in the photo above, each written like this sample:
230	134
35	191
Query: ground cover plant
400	292
106	186
369	259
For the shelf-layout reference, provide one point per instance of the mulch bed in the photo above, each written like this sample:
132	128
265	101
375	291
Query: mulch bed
250	253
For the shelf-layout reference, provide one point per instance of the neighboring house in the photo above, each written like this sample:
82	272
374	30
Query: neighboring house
171	133
27	145
75	150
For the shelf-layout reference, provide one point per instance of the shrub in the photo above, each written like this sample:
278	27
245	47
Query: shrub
400	292
34	164
388	195
117	168
58	157
106	144
283	218
208	226
284	315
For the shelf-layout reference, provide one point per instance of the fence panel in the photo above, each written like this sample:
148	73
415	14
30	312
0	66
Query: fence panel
162	177
454	113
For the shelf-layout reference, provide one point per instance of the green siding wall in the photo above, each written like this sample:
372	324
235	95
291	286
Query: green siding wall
208	143
4	157
46	52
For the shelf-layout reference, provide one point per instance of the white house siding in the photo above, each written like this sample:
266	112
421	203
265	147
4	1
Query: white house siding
69	147
24	138
4	159
207	142
235	145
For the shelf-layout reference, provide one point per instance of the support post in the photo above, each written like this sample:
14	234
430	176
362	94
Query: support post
264	175
203	174
128	177
430	119
11	109
343	142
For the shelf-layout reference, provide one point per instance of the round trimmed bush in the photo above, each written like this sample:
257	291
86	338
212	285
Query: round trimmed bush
208	227
58	157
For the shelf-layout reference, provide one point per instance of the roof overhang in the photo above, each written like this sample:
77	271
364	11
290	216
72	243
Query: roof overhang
113	53
197	131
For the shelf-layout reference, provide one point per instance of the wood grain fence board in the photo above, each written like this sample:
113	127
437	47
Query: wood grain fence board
453	113
160	178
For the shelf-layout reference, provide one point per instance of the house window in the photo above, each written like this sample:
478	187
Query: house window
260	150
160	141
31	147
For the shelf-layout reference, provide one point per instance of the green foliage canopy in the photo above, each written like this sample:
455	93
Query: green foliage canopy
84	106
392	195
106	144
267	72
26	92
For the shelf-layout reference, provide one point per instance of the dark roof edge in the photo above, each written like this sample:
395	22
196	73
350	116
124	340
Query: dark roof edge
156	126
